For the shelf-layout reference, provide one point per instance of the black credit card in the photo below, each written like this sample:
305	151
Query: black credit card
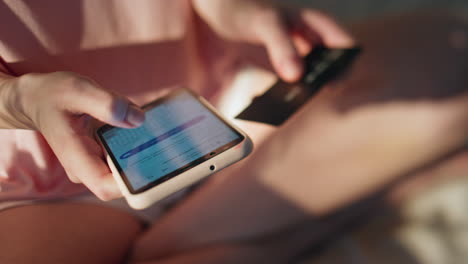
283	99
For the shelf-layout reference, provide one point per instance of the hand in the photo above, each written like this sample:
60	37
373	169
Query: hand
61	106
400	109
285	32
402	106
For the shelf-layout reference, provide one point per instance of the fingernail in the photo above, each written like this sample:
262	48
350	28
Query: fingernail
292	70
134	116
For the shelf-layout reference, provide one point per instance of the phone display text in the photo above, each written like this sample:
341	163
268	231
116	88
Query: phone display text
178	133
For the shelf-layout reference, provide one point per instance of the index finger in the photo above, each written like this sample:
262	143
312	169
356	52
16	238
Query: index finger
322	26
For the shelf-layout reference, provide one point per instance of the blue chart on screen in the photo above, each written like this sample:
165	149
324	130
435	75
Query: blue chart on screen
162	137
174	134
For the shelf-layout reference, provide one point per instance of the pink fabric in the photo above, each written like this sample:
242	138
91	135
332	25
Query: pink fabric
136	48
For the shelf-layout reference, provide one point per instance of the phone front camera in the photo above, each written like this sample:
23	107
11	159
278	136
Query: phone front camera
212	167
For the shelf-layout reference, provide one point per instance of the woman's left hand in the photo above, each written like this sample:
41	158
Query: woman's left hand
284	32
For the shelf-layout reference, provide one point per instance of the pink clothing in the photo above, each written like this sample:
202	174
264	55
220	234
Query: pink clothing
136	48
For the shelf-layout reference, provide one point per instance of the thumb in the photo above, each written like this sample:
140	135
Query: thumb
89	98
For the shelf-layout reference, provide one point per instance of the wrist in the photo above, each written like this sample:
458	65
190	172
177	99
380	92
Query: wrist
13	93
458	125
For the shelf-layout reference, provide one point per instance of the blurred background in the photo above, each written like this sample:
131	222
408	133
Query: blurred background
355	10
431	228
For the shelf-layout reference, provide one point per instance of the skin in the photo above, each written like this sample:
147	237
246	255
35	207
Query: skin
227	220
66	233
59	105
284	32
382	120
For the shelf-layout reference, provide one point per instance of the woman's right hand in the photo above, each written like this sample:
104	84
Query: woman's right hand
61	106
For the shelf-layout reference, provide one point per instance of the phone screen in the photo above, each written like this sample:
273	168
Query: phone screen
179	132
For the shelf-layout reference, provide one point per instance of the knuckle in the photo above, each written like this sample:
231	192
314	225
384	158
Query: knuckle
266	15
107	99
73	84
319	14
107	105
79	84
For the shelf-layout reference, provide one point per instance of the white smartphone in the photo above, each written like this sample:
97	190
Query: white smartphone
182	141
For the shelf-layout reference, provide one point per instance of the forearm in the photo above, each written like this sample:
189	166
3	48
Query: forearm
396	114
402	107
263	200
11	106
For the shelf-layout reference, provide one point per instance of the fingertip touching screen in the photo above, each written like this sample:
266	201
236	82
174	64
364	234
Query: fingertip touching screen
179	132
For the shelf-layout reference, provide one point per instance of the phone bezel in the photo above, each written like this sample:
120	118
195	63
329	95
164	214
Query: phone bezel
182	169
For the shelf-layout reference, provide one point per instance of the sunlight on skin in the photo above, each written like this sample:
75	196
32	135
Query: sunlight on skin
455	167
363	158
413	122
354	138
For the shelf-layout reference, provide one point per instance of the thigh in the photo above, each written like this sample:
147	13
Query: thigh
402	62
65	233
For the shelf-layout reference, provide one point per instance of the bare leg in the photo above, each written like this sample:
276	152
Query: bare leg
65	233
238	208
